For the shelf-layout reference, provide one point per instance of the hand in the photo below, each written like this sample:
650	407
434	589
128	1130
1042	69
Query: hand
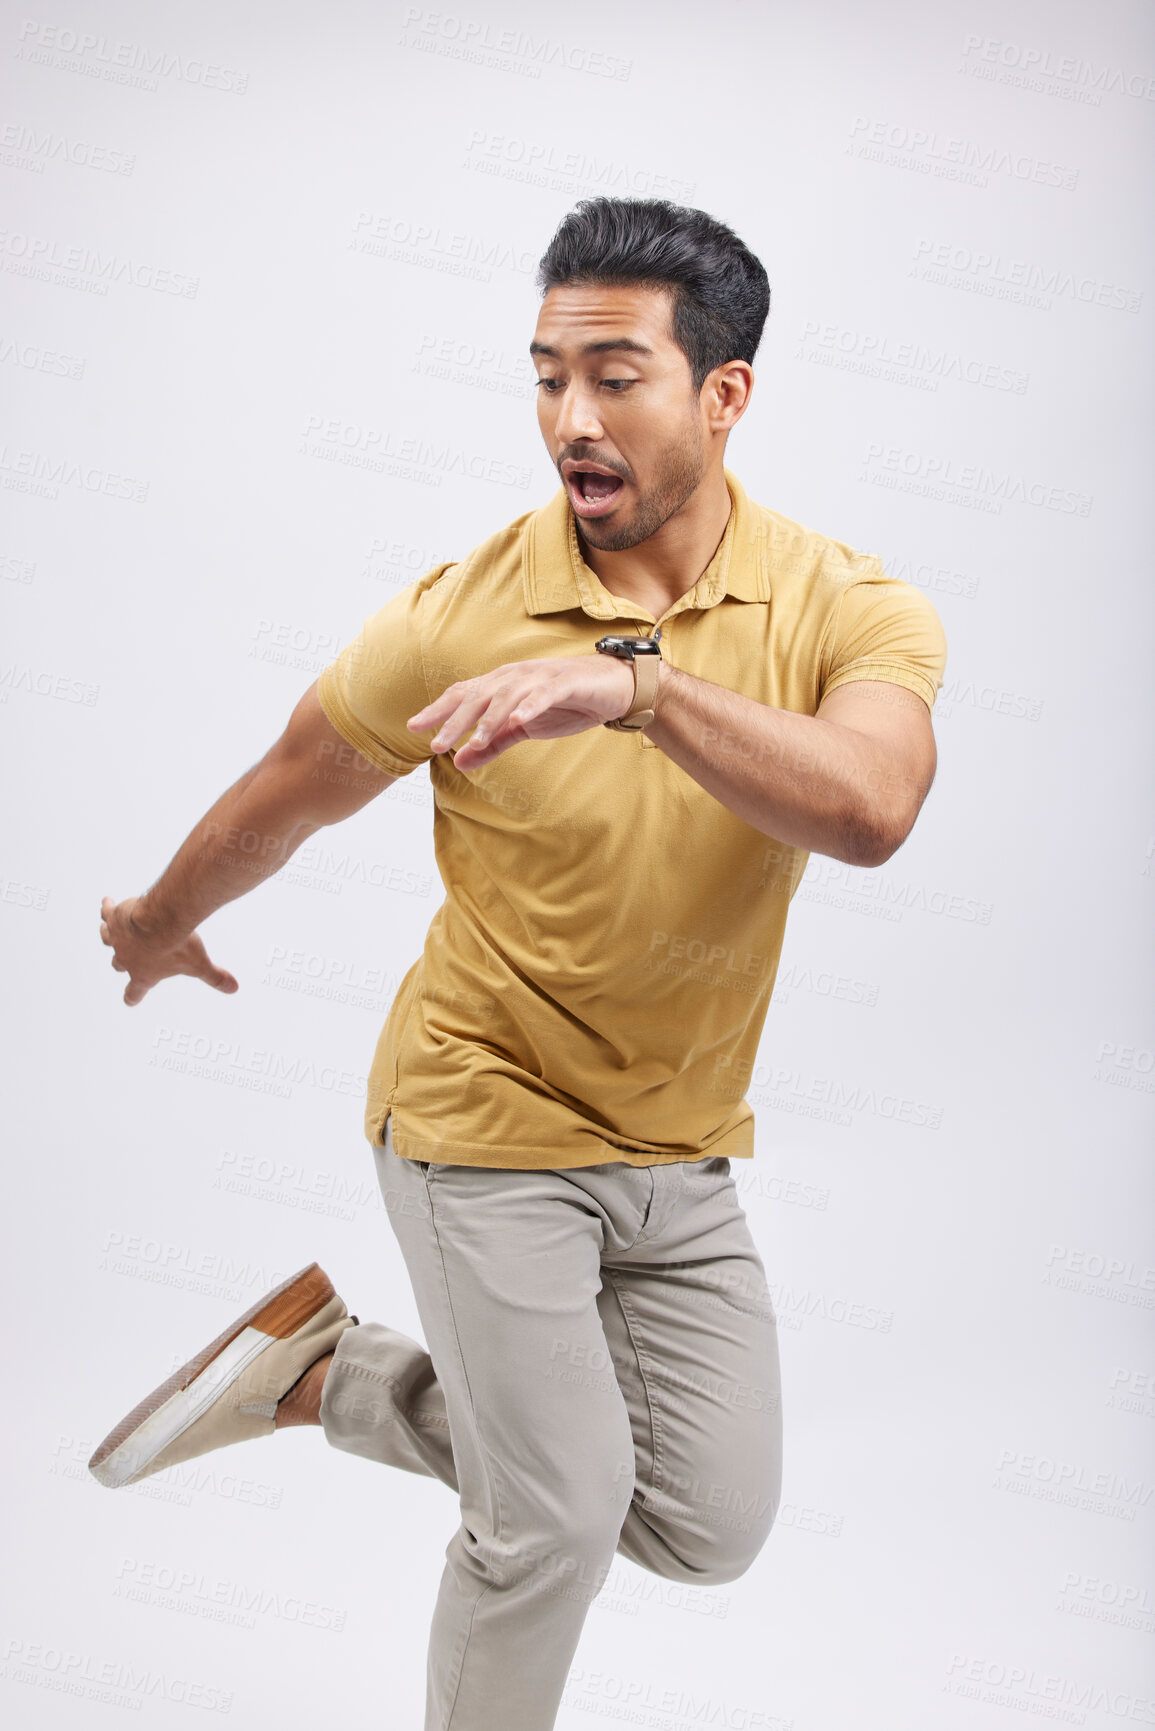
521	700
148	957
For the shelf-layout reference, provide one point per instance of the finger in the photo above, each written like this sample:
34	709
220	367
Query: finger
529	707
202	968
219	978
134	992
460	721
435	712
121	967
474	756
105	934
470	757
495	716
494	733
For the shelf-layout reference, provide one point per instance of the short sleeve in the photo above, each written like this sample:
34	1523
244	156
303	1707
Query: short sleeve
885	628
378	681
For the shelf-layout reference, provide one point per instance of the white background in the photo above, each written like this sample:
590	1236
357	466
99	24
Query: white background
947	201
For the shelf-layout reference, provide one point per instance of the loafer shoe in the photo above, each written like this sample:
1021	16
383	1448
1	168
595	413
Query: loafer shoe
229	1391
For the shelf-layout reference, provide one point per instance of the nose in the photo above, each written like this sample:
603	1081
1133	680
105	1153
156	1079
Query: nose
577	417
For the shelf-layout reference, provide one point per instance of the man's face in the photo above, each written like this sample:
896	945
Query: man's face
614	395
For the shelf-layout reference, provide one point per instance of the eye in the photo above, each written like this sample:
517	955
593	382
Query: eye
619	385
548	385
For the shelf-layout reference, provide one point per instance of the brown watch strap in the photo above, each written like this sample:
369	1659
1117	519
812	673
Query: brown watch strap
641	710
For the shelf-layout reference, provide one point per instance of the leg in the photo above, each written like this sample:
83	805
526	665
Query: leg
378	1397
688	1317
691	1337
504	1264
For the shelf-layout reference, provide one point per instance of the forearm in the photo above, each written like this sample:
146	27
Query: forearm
802	779
246	837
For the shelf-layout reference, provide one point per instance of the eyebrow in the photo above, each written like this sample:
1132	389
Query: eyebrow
626	343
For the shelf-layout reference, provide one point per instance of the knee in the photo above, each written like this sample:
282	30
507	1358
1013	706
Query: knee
573	1565
566	1547
586	1527
727	1563
723	1557
712	1551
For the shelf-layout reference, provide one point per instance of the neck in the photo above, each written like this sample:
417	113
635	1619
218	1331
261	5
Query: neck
665	566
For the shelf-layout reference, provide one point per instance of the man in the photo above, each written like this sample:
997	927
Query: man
701	693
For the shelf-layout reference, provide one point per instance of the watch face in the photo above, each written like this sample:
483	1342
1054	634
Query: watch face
628	646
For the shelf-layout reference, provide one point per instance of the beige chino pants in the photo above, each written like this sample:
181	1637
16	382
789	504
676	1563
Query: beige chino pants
602	1375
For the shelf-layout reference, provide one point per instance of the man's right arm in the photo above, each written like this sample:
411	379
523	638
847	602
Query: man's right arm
310	777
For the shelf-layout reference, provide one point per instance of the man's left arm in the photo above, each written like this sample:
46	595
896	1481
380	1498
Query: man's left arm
848	781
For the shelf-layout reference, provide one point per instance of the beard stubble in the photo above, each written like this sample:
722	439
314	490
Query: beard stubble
679	477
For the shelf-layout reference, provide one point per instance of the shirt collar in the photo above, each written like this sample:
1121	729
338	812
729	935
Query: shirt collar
556	577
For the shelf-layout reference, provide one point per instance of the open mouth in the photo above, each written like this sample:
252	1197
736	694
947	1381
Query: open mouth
592	493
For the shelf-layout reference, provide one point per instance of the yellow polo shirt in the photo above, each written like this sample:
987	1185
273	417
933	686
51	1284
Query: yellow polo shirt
595	983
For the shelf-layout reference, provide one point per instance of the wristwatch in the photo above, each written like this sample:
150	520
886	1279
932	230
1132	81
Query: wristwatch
644	655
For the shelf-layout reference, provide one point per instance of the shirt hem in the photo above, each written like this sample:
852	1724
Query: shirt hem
350	729
544	1159
889	673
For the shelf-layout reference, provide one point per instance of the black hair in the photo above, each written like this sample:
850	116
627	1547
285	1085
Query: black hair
720	291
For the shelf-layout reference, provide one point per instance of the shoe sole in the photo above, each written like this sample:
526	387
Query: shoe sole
150	1428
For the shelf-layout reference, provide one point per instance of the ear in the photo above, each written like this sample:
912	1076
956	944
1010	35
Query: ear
726	394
